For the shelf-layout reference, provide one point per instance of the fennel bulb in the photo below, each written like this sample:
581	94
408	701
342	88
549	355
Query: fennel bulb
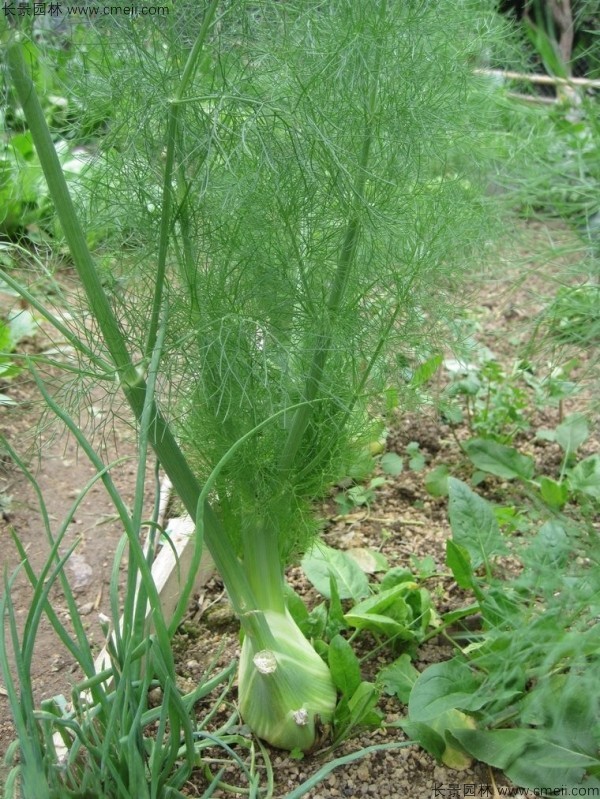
285	690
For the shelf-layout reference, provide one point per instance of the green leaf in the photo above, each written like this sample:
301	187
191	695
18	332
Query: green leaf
420	603
362	702
369	560
399	678
458	561
344	666
478	477
21	325
469	386
452	413
442	687
436	481
498	459
545	434
426	737
313	626
547	48
446	724
335	615
295	604
6	343
385	601
341	717
551	546
417	459
585	476
572	432
553	493
498	748
392	464
323	561
382	625
394	577
474	524
425	371
424	567
528	756
399	611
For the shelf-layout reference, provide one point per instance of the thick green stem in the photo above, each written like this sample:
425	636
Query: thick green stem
262	564
346	263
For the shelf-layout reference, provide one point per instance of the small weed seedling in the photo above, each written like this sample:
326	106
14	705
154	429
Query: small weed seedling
391	464
396	611
577	481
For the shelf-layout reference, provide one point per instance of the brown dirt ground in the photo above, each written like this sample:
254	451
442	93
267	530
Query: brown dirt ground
402	522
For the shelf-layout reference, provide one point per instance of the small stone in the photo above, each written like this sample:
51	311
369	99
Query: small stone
155	697
86	609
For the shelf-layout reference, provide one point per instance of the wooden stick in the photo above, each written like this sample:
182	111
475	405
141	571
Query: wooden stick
548	80
530	98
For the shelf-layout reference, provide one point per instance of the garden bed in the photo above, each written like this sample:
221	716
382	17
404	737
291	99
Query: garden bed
401	519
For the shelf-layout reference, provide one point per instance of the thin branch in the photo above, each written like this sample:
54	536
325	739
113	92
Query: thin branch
530	98
546	80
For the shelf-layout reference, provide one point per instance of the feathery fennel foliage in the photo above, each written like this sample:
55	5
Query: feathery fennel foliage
301	186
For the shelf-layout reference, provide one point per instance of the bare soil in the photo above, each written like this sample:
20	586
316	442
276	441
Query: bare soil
403	521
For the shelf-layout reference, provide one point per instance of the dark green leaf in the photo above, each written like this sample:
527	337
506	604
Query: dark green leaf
386	612
295	605
498	459
436	481
442	687
362	702
478	477
323	561
474	524
528	756
585	476
430	740
335	615
550	546
341	716
461	613
425	371
382	625
344	666
314	625
498	748
458	561
553	493
399	678
396	576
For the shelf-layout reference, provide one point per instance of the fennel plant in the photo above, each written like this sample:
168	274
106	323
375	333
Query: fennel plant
307	181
